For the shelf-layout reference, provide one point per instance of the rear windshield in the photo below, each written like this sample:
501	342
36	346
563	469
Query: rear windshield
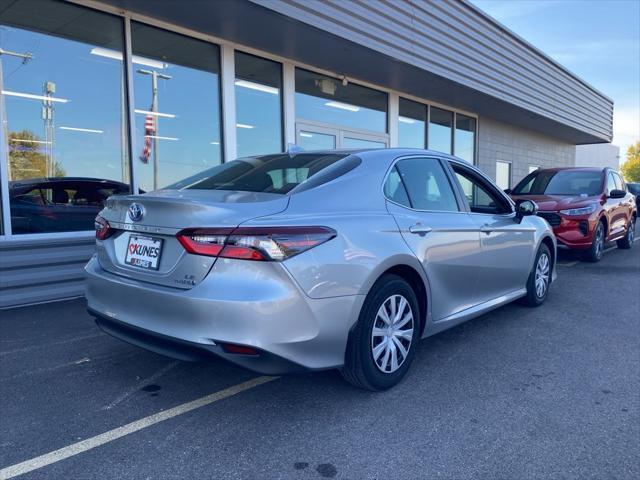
563	182
279	173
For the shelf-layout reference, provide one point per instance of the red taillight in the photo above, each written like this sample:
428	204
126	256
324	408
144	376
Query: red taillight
254	243
103	229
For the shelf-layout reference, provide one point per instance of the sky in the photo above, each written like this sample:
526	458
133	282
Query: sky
598	40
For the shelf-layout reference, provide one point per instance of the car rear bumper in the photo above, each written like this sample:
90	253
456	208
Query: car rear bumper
261	307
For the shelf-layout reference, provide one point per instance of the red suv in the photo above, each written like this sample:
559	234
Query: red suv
585	206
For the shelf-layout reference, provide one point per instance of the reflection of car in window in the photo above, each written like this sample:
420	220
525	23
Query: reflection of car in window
59	204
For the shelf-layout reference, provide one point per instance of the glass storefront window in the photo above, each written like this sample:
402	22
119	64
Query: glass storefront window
65	114
503	174
440	130
350	142
316	141
327	100
411	124
465	138
258	88
176	82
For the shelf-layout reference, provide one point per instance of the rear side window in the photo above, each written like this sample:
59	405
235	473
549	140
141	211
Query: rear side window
425	184
279	173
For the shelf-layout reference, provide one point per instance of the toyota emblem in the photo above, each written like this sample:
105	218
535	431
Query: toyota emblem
136	212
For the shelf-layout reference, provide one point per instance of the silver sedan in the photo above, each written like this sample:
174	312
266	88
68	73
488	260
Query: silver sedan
315	260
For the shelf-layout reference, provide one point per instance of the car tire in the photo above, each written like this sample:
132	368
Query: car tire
596	250
627	242
369	358
540	278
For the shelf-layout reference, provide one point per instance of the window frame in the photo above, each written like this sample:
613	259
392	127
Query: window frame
461	203
485	181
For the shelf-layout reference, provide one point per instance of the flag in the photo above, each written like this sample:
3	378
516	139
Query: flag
149	129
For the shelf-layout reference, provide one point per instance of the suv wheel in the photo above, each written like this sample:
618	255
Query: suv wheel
539	278
595	252
627	241
383	343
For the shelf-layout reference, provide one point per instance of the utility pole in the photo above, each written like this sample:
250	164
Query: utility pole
48	111
154	108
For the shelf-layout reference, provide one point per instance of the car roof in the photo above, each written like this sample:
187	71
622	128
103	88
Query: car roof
372	152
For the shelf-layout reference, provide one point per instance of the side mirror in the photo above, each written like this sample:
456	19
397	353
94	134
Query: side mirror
615	193
525	208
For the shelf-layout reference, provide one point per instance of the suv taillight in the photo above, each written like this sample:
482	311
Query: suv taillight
253	243
103	229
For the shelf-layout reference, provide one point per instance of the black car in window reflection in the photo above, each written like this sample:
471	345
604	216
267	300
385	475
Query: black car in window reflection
59	204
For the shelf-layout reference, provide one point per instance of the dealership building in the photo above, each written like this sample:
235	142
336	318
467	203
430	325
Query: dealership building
103	97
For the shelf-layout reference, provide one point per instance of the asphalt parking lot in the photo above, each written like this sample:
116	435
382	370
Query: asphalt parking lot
518	393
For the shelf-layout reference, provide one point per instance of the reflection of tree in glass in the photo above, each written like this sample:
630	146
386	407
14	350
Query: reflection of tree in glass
26	159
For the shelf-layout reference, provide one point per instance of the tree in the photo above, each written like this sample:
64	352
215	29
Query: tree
631	168
26	159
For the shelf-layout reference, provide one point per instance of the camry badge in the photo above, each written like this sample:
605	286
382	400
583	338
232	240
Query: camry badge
136	212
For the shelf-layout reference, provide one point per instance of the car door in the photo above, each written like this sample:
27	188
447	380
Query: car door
422	198
616	209
506	245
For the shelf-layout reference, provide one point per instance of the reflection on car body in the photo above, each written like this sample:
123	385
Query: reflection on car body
59	204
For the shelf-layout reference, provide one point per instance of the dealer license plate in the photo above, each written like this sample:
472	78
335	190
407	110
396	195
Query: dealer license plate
144	252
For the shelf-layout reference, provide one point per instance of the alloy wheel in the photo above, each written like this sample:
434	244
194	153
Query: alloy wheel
392	334
542	275
599	241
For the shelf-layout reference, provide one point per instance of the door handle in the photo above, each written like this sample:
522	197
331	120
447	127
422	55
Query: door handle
419	229
486	229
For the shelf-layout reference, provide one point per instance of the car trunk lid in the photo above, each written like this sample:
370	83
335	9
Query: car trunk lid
132	248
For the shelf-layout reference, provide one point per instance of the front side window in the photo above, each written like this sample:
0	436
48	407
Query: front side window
411	124
611	182
561	182
618	180
279	173
440	130
177	82
258	87
324	99
426	184
64	99
479	194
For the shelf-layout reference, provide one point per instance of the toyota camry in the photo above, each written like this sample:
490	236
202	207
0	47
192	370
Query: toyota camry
315	260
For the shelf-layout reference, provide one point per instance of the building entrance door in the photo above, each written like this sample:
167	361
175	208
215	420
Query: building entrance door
315	136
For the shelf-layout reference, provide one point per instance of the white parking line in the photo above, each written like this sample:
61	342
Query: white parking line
116	433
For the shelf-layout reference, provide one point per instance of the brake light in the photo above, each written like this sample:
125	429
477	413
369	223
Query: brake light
254	243
103	229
